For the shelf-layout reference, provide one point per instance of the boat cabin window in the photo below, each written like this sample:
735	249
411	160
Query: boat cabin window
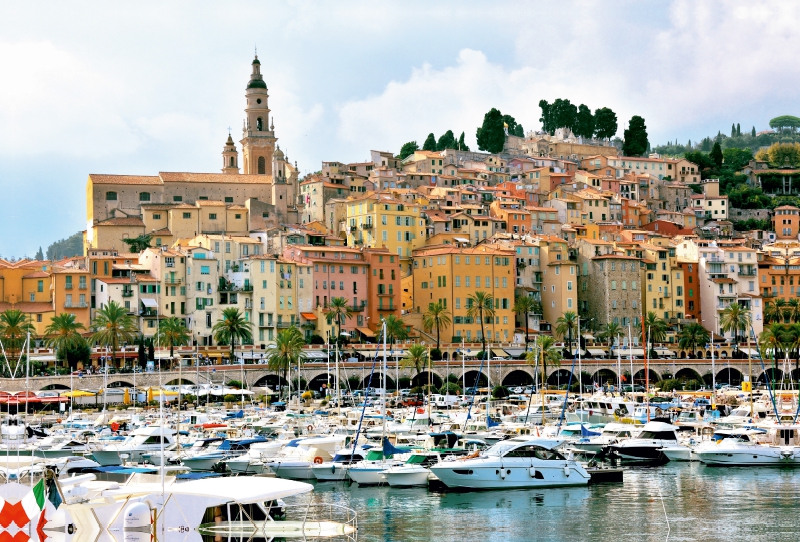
534	451
658	435
155	439
786	435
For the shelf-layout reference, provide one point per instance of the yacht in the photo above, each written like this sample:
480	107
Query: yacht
369	472
336	469
298	457
414	472
647	446
611	433
141	441
521	462
779	445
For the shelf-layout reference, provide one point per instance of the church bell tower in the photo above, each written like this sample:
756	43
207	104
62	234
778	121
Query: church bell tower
258	135
230	158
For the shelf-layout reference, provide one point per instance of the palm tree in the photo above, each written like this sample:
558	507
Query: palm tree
63	333
14	328
735	318
338	311
417	358
396	329
546	351
776	311
773	337
566	326
611	331
287	352
793	310
113	325
693	335
232	326
655	328
524	306
435	317
481	305
173	332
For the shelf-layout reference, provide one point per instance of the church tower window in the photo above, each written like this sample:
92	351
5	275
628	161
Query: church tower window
259	124
262	168
232	165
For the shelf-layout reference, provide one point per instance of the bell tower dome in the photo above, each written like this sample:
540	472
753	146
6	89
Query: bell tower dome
258	136
230	157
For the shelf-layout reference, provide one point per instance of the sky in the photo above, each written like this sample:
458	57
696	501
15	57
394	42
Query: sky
138	88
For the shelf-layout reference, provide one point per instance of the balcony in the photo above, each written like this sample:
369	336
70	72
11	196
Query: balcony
389	308
359	308
172	281
353	229
68	286
82	286
747	272
366	226
127	293
285	325
149	313
76	305
768	294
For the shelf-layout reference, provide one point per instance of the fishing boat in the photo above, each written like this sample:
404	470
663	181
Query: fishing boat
521	462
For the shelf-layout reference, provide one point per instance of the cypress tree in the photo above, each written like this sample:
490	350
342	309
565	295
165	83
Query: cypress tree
430	143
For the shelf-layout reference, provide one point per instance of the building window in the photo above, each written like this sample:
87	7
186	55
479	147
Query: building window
156	216
212	216
177	198
228	199
262	165
111	196
144	196
187	215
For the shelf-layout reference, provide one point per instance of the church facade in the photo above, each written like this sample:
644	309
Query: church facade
253	192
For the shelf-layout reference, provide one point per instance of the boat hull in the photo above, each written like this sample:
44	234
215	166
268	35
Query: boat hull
407	477
333	472
293	470
372	476
201	464
504	477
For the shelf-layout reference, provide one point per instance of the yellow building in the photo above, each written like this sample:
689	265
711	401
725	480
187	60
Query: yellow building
450	275
662	274
379	220
559	278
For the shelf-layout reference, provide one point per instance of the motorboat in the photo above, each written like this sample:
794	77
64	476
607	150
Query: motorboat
778	445
369	472
521	462
298	457
141	441
647	446
336	469
611	433
414	472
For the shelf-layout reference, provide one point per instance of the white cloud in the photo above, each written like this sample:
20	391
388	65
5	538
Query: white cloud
55	104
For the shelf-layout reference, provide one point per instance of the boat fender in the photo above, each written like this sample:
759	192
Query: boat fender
310	428
318	460
566	470
333	468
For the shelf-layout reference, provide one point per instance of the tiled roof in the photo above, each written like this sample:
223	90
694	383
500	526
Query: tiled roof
124	179
170	177
209	203
123	221
28	307
36	275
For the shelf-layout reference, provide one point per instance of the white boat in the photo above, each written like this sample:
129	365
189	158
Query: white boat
296	461
369	472
521	462
414	472
777	446
141	441
648	445
611	433
336	469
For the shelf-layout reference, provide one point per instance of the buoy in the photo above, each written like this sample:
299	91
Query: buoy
310	428
114	426
420	411
318	460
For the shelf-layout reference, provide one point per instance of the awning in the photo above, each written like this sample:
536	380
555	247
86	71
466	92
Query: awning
498	353
316	354
596	352
149	303
588	336
461	239
43	358
661	351
367	332
752	352
308	315
78	393
514	352
575	351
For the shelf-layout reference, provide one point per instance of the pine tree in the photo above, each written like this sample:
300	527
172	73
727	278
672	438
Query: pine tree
491	135
519	131
430	143
716	154
605	123
447	141
635	143
461	145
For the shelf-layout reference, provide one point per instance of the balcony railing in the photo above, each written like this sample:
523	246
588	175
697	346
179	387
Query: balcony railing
68	286
127	293
353	228
148	313
747	272
359	308
172	281
82	286
76	305
366	226
285	325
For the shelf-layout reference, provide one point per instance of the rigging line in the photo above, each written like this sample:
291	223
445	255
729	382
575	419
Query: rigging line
664	506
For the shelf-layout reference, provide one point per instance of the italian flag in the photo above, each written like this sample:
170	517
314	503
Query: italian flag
25	511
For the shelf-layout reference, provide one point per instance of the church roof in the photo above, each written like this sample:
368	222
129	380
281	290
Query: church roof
124	179
233	178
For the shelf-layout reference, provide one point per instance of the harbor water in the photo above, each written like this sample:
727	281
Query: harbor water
676	502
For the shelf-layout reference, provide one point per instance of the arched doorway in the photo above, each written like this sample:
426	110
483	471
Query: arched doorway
120	384
322	381
560	378
687	374
729	376
771	374
518	377
473	378
377	381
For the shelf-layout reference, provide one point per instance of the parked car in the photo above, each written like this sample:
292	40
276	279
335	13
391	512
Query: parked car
412	402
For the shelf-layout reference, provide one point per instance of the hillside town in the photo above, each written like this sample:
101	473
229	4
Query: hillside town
553	234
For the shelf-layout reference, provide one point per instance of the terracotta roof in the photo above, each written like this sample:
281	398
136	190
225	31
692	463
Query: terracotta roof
170	177
28	307
209	203
162	231
126	221
115	280
36	275
123	179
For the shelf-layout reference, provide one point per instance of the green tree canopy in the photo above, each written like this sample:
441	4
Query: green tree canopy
584	122
491	135
785	121
430	143
447	141
737	158
408	149
172	332
113	325
233	326
605	123
635	143
461	145
716	154
14	328
140	243
547	117
287	352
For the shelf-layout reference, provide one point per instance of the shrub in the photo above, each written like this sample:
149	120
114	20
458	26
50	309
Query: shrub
436	354
451	388
307	396
500	392
230	398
